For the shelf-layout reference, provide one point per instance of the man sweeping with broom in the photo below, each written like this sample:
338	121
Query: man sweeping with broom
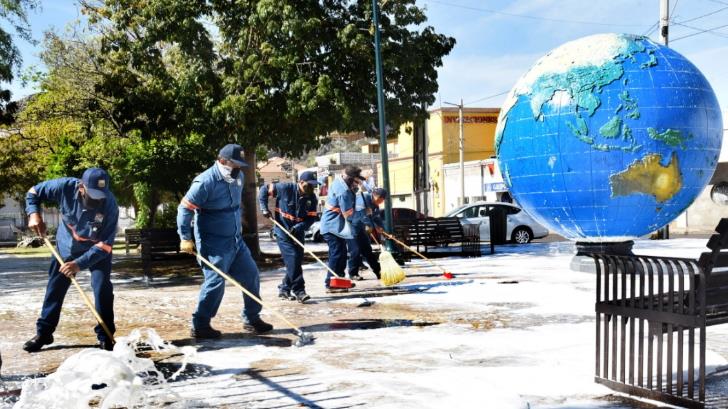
295	207
89	216
366	219
213	201
335	223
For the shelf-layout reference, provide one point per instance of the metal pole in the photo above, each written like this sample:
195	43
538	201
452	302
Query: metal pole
664	20
382	122
462	155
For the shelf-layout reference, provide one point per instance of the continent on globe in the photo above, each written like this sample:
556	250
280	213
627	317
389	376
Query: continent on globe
650	177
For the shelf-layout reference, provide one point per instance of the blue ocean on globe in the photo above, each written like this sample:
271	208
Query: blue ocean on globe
609	137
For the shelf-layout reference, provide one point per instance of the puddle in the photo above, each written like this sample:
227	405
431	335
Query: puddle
373	324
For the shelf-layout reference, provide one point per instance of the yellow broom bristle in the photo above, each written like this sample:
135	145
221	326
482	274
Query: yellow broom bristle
391	273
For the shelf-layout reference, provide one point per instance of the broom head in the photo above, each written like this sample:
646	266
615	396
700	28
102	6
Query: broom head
391	273
339	282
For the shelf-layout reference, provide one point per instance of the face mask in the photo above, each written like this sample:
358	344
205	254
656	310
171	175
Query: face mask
229	172
307	189
89	203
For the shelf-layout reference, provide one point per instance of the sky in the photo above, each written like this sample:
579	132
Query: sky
498	41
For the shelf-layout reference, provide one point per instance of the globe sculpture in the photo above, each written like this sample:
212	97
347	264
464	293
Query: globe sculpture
609	137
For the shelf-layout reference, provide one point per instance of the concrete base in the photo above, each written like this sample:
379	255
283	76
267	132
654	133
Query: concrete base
585	264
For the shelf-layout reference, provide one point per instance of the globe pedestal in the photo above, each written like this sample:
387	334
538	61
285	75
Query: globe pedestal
582	262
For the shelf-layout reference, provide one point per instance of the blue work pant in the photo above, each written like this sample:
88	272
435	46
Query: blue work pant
292	255
337	256
361	248
56	291
235	260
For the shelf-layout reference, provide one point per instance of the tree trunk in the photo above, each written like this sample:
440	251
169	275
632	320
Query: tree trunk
250	205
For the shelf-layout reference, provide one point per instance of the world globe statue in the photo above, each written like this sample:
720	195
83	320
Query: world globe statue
609	137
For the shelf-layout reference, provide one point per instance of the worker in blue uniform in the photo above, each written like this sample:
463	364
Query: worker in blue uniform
365	220
335	223
85	235
295	210
213	201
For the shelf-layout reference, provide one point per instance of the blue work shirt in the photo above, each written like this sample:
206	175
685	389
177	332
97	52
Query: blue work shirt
214	203
86	235
339	207
292	206
366	213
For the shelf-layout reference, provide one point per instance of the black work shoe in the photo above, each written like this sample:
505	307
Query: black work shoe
357	277
37	342
302	297
285	295
258	326
106	345
205	333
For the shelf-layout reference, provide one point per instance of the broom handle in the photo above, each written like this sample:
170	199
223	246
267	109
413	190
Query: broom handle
80	290
389	236
251	295
304	247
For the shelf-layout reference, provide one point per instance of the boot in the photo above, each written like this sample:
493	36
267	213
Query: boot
205	333
302	297
257	326
37	342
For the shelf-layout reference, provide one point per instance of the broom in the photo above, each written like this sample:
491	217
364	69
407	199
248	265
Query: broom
336	281
303	337
86	300
391	273
445	274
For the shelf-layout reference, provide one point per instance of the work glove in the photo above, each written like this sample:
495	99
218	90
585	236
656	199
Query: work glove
187	246
266	214
36	224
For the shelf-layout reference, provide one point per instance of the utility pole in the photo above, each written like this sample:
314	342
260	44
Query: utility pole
461	148
664	21
388	226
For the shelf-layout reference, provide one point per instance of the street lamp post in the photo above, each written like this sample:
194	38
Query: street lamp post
382	122
461	148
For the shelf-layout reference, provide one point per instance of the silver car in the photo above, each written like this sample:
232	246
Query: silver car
521	228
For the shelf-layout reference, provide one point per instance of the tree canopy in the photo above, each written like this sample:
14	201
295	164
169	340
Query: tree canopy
14	13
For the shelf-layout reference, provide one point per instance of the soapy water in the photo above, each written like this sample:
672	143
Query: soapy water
108	379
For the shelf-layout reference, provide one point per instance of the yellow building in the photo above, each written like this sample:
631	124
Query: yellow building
419	152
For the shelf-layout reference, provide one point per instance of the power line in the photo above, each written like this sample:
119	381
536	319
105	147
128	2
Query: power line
709	30
488	97
444	3
704	15
700	30
652	28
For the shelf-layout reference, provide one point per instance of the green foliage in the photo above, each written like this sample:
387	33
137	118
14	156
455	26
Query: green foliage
14	12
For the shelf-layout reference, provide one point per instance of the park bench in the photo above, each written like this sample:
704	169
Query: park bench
651	316
156	244
132	238
426	235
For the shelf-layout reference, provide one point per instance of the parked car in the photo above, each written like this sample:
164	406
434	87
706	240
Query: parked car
399	215
521	228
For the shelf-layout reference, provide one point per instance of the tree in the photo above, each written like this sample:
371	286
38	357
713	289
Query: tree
16	13
271	73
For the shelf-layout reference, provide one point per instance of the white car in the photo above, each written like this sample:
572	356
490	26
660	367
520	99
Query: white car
521	228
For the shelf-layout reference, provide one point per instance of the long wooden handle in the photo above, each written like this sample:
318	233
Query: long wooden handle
389	236
86	300
304	247
251	295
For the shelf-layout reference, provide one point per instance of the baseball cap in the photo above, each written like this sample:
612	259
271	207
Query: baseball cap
380	191
233	152
309	177
353	172
96	182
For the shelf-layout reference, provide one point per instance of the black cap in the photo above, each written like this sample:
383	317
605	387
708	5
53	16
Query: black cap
309	177
353	172
96	182
233	153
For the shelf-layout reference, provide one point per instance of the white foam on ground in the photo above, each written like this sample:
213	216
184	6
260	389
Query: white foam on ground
105	379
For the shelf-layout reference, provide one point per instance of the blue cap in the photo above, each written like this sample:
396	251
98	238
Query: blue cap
96	181
308	177
380	191
233	153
